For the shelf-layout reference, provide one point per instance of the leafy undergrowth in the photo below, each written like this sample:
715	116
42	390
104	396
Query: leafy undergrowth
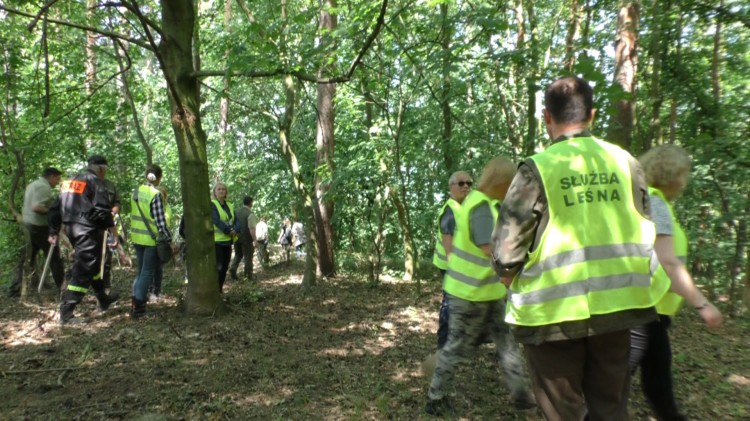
345	350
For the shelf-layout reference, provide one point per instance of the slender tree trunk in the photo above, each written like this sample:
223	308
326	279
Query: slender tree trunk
128	96
626	64
177	61
224	102
324	142
570	39
655	48
90	80
446	35
716	79
531	81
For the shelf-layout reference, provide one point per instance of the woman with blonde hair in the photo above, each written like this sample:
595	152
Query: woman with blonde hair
667	169
226	228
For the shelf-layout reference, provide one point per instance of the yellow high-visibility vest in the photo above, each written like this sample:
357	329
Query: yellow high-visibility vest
470	275
219	235
596	255
139	233
671	303
439	259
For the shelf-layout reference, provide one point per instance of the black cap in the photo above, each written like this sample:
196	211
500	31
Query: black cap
97	160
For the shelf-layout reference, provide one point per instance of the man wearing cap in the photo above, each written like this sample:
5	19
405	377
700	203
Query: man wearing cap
37	200
85	210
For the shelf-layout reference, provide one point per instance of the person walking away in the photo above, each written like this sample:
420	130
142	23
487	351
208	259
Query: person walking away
572	303
459	185
226	228
261	235
244	248
667	170
285	239
298	232
37	200
86	213
148	225
475	294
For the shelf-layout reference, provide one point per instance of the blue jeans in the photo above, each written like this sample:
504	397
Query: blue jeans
147	261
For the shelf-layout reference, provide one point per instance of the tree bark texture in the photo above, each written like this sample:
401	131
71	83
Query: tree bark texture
626	64
324	145
176	55
446	35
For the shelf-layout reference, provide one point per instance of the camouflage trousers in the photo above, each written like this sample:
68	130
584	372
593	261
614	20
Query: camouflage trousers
468	323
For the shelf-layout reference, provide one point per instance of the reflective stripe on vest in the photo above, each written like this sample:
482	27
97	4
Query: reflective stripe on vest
596	255
439	259
671	303
219	235
139	233
470	275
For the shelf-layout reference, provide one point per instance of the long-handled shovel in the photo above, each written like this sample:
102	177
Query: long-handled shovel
46	267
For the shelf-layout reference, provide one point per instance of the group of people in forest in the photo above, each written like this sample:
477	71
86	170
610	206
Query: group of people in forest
577	256
572	263
86	211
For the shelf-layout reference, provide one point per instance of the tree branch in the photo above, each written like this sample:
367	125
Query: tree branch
306	76
38	16
84	27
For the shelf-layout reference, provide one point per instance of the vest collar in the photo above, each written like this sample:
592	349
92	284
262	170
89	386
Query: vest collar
573	133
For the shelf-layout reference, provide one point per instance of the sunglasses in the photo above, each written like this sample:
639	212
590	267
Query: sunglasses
465	183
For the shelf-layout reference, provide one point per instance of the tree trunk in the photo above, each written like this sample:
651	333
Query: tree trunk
224	102
177	61
626	64
531	81
654	137
90	69
446	35
324	142
285	128
133	109
570	39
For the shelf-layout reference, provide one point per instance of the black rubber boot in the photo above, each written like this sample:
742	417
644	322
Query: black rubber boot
106	300
138	309
66	312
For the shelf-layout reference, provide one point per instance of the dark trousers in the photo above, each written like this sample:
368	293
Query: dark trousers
576	377
87	242
39	242
651	351
223	257
243	251
443	318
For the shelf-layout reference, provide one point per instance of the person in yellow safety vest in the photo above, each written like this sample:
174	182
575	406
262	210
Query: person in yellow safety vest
460	185
475	294
667	169
575	239
226	228
148	222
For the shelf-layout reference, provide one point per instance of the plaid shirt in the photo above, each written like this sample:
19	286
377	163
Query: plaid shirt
157	211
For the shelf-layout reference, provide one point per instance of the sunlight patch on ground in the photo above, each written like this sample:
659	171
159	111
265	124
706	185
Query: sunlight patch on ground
738	380
28	332
292	280
264	399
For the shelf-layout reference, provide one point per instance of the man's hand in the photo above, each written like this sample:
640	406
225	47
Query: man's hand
711	315
52	239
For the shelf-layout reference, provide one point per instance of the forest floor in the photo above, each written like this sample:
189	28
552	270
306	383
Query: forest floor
344	350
